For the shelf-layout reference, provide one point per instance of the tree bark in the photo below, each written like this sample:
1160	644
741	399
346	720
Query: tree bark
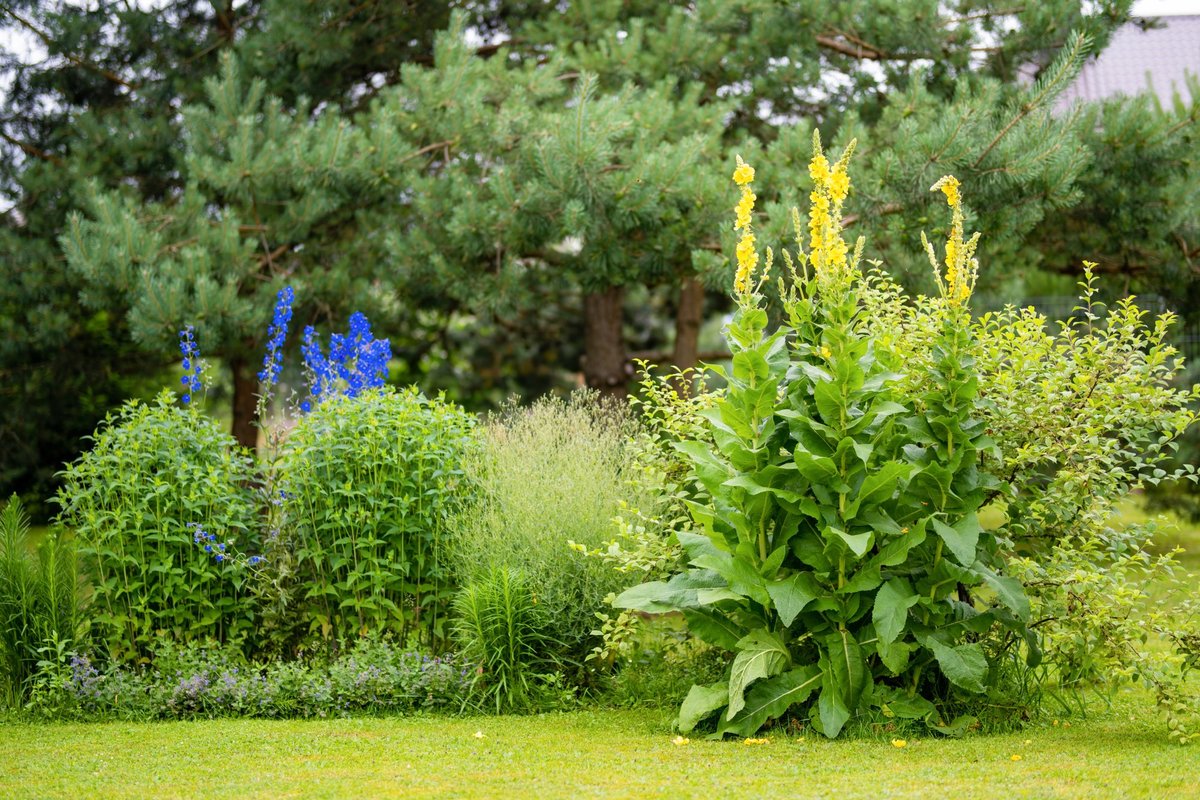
605	365
688	317
245	404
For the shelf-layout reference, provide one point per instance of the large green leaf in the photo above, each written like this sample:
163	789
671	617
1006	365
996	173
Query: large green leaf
761	654
847	666
1008	589
791	595
858	543
714	627
962	538
680	592
817	469
831	706
701	701
965	665
878	486
770	698
892	602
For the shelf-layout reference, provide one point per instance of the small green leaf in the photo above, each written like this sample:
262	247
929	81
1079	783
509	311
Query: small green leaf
962	538
1008	589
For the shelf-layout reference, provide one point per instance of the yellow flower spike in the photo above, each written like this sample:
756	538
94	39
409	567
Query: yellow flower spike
747	255
949	186
828	252
744	173
744	208
747	259
839	185
961	266
899	743
818	169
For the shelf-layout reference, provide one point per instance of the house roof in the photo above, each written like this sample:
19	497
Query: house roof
1138	59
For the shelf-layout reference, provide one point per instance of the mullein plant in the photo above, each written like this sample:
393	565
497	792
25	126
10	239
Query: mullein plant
839	554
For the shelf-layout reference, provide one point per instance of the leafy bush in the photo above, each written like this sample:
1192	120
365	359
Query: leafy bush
153	470
840	554
554	478
39	603
501	628
371	676
370	485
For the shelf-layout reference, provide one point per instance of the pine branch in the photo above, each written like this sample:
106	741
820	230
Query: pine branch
885	209
76	60
30	150
1065	67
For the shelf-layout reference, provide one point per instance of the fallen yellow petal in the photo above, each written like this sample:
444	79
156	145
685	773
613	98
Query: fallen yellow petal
679	741
1016	757
478	734
755	741
899	743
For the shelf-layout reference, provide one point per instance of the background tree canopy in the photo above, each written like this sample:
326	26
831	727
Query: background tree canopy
517	192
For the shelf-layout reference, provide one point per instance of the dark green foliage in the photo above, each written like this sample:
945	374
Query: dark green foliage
153	470
371	485
39	604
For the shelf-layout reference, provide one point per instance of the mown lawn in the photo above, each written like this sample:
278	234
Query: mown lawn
1120	753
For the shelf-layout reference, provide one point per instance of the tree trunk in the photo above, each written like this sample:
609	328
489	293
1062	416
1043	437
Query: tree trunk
604	359
688	317
245	404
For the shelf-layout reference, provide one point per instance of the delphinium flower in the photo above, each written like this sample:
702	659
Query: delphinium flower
320	372
276	334
217	550
191	363
357	362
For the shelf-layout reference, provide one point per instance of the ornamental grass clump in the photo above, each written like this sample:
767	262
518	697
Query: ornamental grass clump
840	557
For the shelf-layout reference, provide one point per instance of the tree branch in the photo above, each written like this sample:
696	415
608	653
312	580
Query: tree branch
30	150
76	60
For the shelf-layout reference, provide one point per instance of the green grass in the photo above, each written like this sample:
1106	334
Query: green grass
1121	753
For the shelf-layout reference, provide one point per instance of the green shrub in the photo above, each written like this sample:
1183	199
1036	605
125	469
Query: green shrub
39	603
153	470
371	484
554	477
501	628
840	556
